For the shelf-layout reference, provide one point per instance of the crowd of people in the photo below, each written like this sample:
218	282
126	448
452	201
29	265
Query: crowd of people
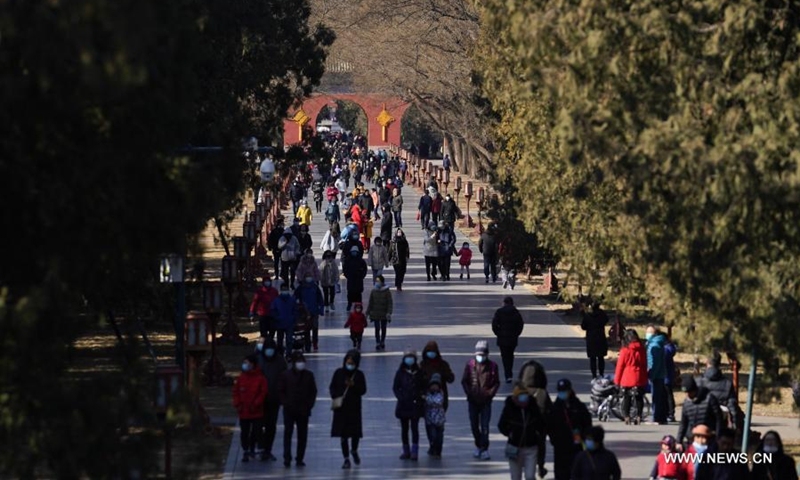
275	375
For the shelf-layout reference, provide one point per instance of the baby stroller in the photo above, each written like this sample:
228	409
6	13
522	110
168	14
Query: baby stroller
301	337
605	397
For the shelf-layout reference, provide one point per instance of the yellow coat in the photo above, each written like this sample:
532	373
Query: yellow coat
304	214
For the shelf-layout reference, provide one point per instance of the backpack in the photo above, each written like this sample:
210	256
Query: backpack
289	251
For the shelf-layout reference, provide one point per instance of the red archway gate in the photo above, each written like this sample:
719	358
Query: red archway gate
384	114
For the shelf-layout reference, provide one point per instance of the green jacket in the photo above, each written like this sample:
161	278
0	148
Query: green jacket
380	304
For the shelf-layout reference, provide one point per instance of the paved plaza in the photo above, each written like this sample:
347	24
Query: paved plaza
456	314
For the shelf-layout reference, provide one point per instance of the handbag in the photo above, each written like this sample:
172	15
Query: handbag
337	402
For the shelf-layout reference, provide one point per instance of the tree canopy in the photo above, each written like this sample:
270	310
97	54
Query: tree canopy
656	141
99	99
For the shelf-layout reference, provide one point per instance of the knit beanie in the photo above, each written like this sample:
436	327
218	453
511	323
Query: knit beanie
482	347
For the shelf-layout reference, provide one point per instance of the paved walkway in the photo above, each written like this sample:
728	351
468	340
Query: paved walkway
455	314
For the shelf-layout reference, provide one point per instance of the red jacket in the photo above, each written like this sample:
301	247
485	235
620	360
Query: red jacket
332	193
262	301
249	393
465	256
356	216
631	366
669	469
687	468
436	205
357	322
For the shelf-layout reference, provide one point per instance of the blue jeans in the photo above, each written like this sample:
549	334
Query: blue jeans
435	438
479	418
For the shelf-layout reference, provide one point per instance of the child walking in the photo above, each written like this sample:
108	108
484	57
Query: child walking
464	259
435	415
357	322
663	468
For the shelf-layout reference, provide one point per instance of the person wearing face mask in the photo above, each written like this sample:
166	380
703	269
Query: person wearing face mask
433	364
480	381
379	310
355	270
272	365
732	470
329	279
702	438
399	253
284	310
357	323
261	307
350	384
305	240
445	247
290	250
409	387
657	372
308	267
523	424
249	392
387	222
596	461
568	424
310	295
782	465
450	211
298	393
397	207
378	258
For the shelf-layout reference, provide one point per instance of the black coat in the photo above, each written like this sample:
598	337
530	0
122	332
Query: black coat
782	467
409	386
507	324
298	392
600	463
488	244
566	417
401	254
354	269
272	368
594	324
725	471
524	426
450	211
386	228
347	419
305	242
703	409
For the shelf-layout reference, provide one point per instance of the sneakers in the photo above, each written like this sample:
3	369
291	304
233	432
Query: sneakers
246	457
485	455
477	453
468	276
356	457
301	463
406	455
346	464
461	277
508	380
487	280
327	310
332	308
268	457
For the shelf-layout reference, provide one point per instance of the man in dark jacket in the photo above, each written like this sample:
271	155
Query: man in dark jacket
720	387
730	470
450	211
507	325
481	382
355	269
568	424
488	247
297	192
272	243
700	407
594	324
272	366
298	393
596	462
424	208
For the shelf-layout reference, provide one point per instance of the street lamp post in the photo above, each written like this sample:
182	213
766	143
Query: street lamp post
198	333
445	179
172	271
214	371
230	277
481	205
169	379
468	196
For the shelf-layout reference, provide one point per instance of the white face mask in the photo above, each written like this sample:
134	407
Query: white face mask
479	358
300	366
699	447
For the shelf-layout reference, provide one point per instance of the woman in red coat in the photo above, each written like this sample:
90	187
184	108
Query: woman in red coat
631	375
249	393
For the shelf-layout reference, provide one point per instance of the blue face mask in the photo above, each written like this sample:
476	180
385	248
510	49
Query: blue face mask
523	398
699	447
270	352
285	293
378	284
245	367
309	279
259	346
563	395
590	445
409	361
354	253
267	284
350	367
648	336
430	354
